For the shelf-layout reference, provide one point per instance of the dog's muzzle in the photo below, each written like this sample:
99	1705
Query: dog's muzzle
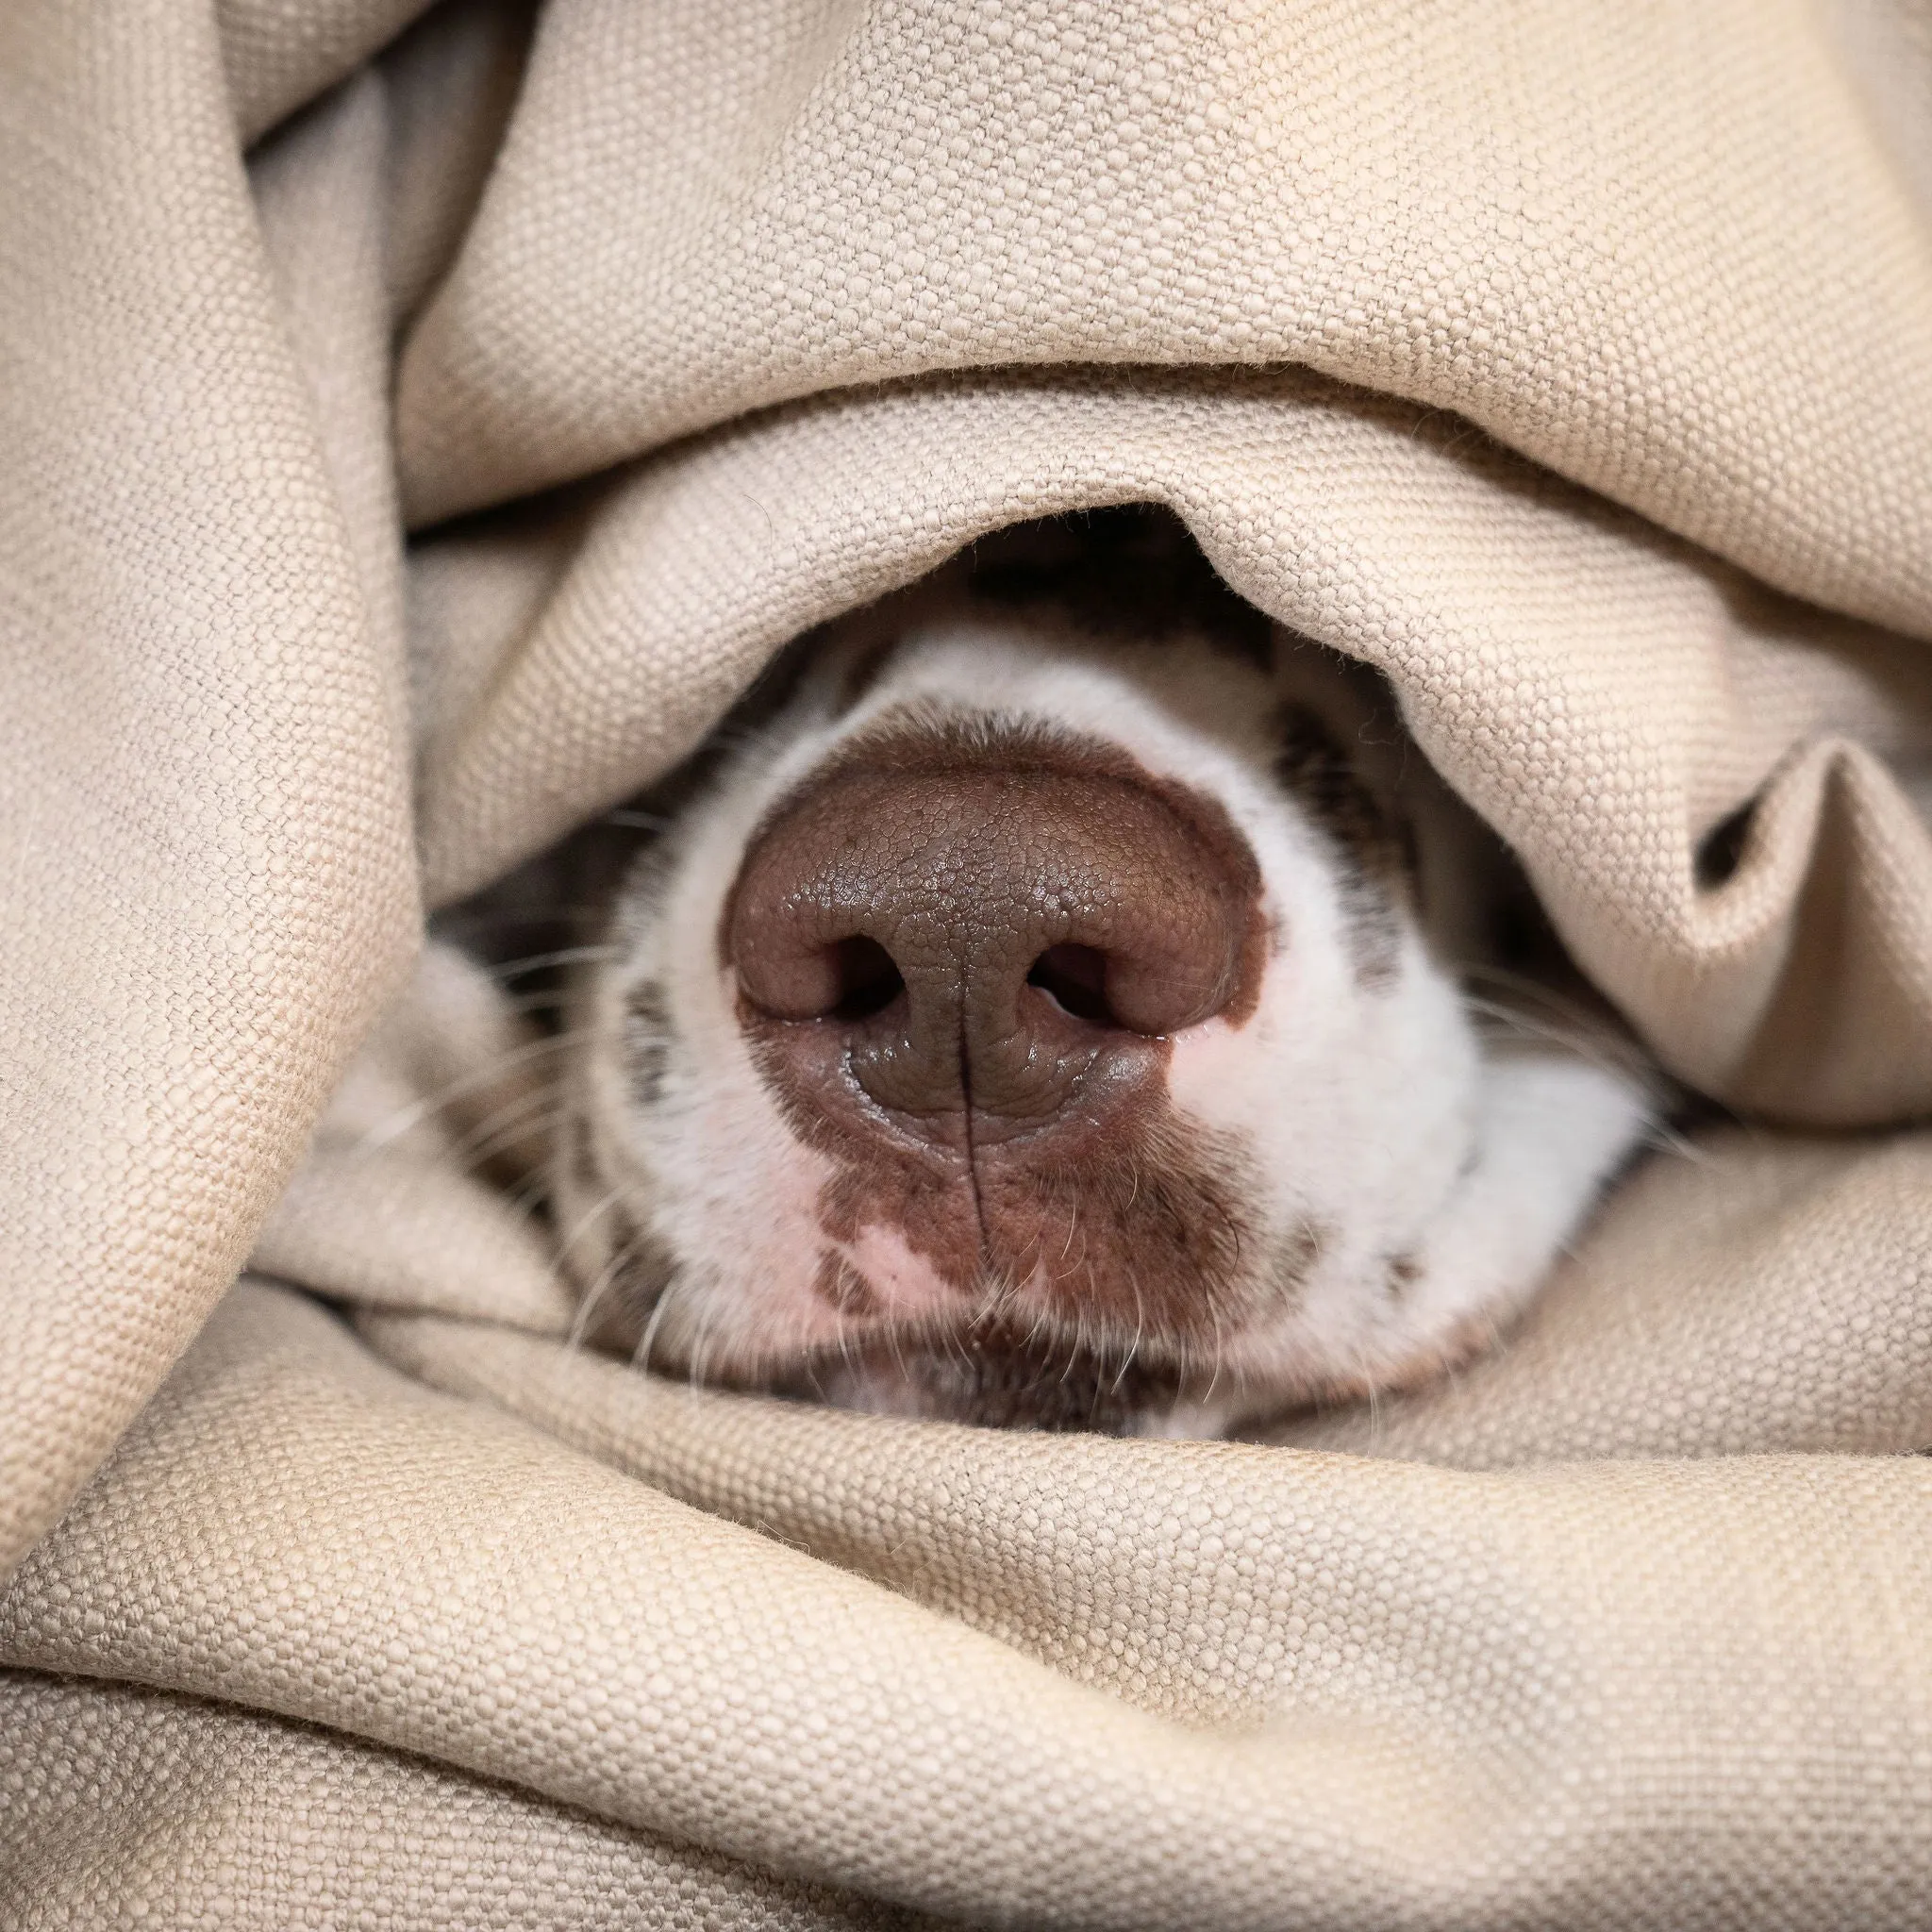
961	955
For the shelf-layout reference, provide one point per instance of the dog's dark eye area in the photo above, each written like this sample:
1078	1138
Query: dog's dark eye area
1077	977
868	982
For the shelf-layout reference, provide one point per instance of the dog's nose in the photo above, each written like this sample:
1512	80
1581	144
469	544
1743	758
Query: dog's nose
989	933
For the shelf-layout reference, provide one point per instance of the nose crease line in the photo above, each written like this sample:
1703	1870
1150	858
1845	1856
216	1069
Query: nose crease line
966	1132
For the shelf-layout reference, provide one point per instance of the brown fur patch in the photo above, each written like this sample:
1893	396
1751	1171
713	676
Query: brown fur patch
1374	847
646	1041
1004	1376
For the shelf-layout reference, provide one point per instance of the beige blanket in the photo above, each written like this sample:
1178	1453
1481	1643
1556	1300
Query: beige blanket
1570	360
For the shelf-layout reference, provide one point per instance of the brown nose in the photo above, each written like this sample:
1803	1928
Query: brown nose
991	931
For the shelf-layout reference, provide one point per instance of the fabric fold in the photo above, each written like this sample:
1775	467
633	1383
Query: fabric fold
211	891
1335	1692
126	1806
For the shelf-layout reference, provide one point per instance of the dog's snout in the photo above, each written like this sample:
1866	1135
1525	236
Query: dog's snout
1002	929
1049	1015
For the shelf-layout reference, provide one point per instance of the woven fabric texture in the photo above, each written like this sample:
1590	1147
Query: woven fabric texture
420	430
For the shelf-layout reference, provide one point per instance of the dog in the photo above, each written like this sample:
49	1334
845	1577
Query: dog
1067	999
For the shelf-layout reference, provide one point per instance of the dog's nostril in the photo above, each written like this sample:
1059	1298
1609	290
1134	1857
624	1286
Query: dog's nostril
1075	976
851	978
868	981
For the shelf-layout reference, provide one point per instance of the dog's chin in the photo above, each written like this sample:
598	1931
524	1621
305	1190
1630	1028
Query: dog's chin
990	1376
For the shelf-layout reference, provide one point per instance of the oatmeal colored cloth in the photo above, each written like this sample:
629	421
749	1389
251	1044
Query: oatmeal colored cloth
1571	362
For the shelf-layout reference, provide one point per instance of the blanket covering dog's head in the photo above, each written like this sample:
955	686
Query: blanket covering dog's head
1055	1007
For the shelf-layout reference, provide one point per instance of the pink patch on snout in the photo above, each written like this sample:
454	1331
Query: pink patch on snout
904	1285
1211	1065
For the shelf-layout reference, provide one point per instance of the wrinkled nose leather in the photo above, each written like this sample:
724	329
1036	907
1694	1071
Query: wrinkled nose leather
997	929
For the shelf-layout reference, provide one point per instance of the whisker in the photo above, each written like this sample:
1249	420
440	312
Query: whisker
1040	1324
549	1095
587	1306
1140	1330
589	1215
417	1111
523	1198
531	1188
1526	983
1220	1349
640	1355
1082	1348
562	955
1531	992
1596	1047
537	1125
538	1001
896	1340
701	1342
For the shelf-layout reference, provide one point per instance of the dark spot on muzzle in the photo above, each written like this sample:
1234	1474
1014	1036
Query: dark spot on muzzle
1377	865
998	1378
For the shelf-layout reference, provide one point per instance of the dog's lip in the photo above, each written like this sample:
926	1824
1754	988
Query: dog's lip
982	1372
